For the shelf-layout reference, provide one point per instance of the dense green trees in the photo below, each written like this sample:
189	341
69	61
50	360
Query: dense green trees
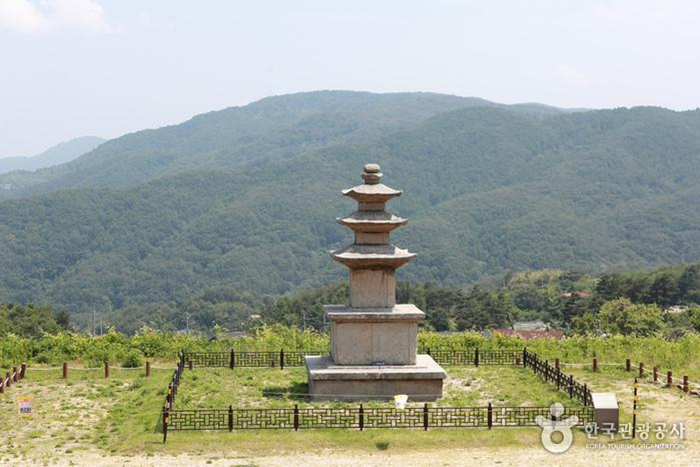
621	316
31	321
488	190
566	300
677	285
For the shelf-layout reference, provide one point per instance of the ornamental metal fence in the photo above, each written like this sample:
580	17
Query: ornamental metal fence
285	358
250	358
553	374
361	417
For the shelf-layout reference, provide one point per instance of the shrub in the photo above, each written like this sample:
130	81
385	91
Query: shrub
133	359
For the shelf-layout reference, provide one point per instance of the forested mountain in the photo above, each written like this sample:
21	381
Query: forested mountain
488	189
272	129
55	155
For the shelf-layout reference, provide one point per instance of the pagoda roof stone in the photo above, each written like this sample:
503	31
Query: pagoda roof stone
372	256
372	221
378	193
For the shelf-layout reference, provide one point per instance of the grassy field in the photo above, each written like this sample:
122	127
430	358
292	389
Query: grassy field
270	388
89	416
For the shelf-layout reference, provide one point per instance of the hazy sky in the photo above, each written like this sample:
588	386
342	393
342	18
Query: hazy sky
98	67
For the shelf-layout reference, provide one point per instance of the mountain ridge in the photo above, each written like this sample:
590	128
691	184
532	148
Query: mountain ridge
58	154
273	128
488	190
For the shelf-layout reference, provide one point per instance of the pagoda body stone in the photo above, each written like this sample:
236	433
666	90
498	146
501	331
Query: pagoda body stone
373	340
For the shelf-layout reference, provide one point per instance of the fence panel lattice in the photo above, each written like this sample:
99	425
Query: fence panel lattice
370	417
249	358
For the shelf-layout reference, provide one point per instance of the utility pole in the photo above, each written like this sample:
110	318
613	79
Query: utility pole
94	322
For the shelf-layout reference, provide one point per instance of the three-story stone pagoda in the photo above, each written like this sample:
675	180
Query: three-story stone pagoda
373	340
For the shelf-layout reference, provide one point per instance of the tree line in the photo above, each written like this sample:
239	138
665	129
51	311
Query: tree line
658	302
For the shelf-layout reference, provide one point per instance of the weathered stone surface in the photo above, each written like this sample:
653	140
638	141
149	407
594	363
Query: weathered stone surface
364	336
371	238
373	341
405	311
372	256
372	221
377	193
372	288
372	168
329	381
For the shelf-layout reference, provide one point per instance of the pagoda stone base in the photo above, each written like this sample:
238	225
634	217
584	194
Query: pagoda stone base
328	381
373	336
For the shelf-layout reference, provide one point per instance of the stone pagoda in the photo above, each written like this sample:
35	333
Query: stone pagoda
373	340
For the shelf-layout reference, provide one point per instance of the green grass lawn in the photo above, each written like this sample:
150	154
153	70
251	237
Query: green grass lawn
274	388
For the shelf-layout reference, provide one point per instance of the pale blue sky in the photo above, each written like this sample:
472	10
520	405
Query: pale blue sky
106	67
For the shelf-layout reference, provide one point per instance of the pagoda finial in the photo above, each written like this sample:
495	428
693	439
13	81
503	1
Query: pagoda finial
372	174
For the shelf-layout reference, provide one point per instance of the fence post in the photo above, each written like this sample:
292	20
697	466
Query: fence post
23	371
425	416
230	418
65	370
362	418
634	411
558	378
232	363
165	424
148	369
8	379
428	351
629	365
281	359
476	357
686	385
190	365
557	364
490	415
525	356
107	369
669	379
296	417
585	394
571	386
15	374
595	365
641	370
2	385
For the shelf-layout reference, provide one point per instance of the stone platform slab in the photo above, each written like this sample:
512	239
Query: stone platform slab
329	381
